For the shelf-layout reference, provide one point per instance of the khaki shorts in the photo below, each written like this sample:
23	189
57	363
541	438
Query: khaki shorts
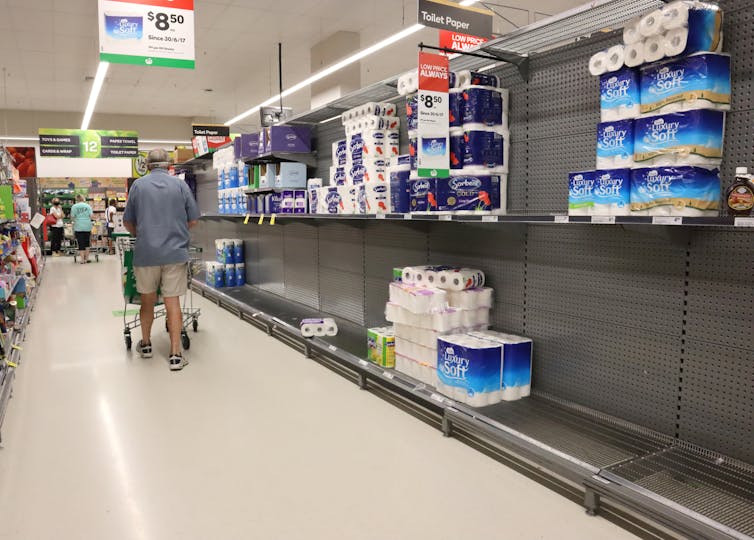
171	280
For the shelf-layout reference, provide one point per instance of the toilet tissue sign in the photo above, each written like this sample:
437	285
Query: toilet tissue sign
147	32
433	148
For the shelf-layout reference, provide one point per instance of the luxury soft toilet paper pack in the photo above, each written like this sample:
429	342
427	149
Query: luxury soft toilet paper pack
620	95
615	144
675	191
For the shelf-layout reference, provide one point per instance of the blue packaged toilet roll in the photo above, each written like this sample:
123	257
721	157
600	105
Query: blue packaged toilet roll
400	201
615	144
681	191
230	275
341	150
217	276
413	149
684	138
457	148
422	194
455	108
482	106
356	147
464	193
700	81
240	275
612	192
620	94
469	363
238	252
484	147
704	29
233	178
332	200
412	112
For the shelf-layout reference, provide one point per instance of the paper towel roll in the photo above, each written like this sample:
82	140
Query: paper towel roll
674	42
651	24
675	15
634	54
615	57
653	48
631	32
598	64
389	109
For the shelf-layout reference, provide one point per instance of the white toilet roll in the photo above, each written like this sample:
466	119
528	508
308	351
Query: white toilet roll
597	64
674	42
463	79
653	48
631	32
651	25
615	57
675	15
634	54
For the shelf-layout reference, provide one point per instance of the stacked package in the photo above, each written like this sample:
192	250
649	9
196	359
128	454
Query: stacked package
479	143
232	181
660	143
229	267
358	179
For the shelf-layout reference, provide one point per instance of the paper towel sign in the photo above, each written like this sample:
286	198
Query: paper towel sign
433	148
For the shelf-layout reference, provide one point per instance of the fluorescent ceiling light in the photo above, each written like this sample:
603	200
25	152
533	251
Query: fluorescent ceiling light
487	68
336	117
468	2
19	138
99	79
330	70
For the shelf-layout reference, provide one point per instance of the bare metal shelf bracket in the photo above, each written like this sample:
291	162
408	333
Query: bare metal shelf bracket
521	61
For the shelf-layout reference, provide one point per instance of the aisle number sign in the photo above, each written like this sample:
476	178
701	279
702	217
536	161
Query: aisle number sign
77	143
147	32
433	148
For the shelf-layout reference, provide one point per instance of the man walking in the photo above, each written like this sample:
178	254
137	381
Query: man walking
160	211
81	215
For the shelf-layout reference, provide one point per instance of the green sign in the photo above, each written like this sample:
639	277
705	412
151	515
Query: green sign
77	143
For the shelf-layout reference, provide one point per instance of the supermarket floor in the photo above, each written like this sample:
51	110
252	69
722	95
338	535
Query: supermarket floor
251	440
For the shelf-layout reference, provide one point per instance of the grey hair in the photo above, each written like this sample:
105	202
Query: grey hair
80	198
158	157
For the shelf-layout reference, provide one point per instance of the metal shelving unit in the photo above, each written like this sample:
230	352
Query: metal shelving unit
743	223
309	158
642	369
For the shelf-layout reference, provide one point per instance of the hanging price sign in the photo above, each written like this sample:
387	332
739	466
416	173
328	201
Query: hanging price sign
147	32
433	145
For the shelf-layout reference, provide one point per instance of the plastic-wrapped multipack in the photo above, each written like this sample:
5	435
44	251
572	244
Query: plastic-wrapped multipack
422	372
517	363
471	298
418	299
470	369
419	353
443	321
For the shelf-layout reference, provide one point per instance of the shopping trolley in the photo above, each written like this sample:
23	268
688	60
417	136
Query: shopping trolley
71	246
190	314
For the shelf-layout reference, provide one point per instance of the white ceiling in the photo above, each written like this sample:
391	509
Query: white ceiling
49	47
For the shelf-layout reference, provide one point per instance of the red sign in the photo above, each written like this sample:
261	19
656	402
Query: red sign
459	42
24	159
433	72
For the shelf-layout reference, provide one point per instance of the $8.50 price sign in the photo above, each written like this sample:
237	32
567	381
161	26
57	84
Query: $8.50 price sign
432	145
147	32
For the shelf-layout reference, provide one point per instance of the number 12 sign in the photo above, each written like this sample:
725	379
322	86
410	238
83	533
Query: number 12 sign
147	32
432	145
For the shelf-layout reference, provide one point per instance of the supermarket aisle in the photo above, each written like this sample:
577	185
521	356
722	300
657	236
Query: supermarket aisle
250	441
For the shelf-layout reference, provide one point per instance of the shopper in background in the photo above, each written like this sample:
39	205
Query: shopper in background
56	229
160	211
110	219
81	215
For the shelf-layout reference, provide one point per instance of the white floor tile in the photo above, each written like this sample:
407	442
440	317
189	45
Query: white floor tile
251	440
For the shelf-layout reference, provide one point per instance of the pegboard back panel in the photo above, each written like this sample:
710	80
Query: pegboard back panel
301	269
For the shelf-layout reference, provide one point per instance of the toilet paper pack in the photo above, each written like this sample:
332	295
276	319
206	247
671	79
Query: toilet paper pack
331	200
339	149
400	200
464	193
424	373
700	81
684	138
486	147
443	321
457	147
416	352
455	108
675	191
486	106
338	176
517	363
381	346
422	194
422	336
615	144
612	192
620	95
470	369
318	327
418	299
412	112
376	197
477	298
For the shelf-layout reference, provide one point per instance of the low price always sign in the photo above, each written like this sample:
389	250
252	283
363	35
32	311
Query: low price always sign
147	32
432	145
77	143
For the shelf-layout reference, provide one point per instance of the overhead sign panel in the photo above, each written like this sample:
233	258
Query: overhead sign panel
77	143
459	42
147	32
447	15
210	130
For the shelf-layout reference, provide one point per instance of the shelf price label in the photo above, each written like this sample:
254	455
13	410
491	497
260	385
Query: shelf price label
667	220
433	147
603	220
743	222
147	32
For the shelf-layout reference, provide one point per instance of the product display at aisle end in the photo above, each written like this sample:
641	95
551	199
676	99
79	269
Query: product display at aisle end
21	266
229	267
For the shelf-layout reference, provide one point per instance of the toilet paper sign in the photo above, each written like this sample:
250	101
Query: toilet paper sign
433	148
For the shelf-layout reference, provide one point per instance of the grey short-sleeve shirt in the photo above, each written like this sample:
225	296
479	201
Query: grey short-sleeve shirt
160	206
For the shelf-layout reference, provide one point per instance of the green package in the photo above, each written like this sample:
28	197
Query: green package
398	274
381	346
